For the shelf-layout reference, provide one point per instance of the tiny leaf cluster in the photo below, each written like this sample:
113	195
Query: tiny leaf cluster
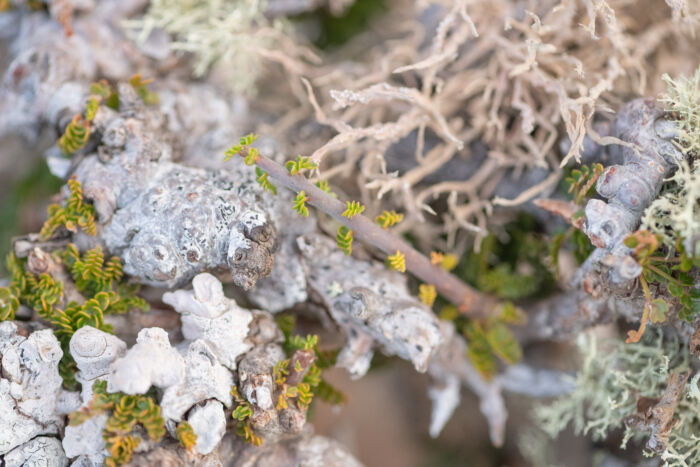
127	411
446	261
489	339
670	272
264	181
388	219
243	149
75	214
352	208
397	261
97	281
186	435
101	91
581	181
324	359
427	294
242	414
324	186
93	275
344	239
299	205
510	269
140	85
299	165
76	134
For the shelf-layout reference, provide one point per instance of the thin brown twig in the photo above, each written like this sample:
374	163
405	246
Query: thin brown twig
468	300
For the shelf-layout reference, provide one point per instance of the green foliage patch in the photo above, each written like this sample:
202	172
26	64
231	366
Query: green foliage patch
510	269
489	340
75	214
121	434
97	281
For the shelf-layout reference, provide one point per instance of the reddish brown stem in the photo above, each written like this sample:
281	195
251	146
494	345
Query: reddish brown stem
453	289
299	364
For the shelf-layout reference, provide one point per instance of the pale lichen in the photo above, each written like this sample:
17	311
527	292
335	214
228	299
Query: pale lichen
236	35
613	378
675	214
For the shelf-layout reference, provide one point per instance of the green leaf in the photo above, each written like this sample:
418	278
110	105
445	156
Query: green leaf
300	164
659	308
674	289
686	263
300	204
264	182
686	301
651	276
503	343
242	412
344	239
510	314
479	350
686	279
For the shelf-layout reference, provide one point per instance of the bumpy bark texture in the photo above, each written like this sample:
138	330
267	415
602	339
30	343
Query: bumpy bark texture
166	221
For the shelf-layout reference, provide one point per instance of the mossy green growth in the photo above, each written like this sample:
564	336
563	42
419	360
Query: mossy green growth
242	414
510	268
75	214
676	274
612	376
324	360
98	282
140	85
121	434
490	339
301	394
93	275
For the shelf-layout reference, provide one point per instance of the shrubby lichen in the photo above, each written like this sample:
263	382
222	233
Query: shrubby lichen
675	214
613	376
234	32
